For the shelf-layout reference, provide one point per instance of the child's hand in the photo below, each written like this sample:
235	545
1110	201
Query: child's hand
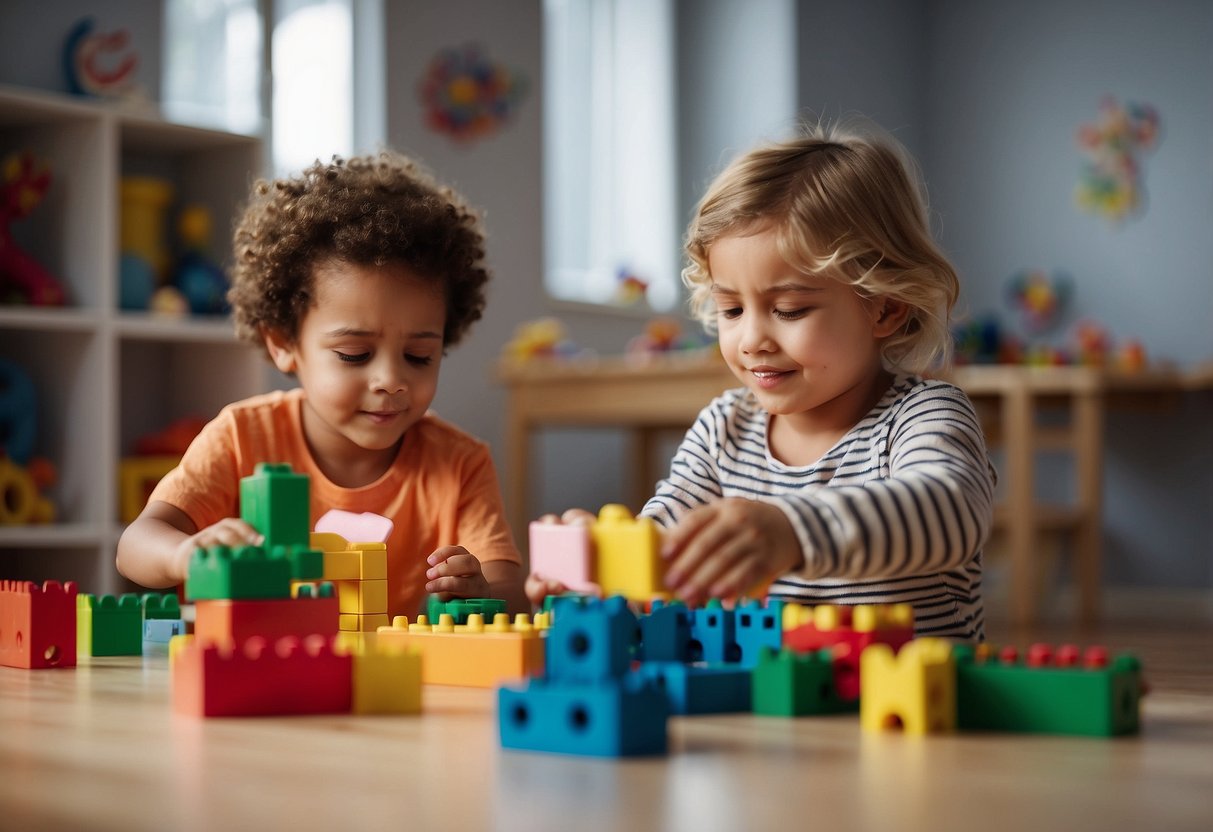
723	549
455	573
538	588
230	531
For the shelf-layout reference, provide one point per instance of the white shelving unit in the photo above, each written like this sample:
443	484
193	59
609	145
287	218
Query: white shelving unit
105	377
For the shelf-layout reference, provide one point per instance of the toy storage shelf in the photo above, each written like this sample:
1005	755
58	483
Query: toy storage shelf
105	376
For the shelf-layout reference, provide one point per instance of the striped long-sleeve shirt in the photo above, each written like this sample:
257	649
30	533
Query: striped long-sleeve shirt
896	512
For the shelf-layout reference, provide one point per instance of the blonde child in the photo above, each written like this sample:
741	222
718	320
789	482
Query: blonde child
356	277
837	470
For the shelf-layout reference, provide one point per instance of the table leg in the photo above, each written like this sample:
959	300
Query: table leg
1018	425
1088	437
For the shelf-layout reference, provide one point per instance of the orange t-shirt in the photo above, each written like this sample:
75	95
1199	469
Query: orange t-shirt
441	490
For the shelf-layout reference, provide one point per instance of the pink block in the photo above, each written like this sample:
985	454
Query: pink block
563	553
366	527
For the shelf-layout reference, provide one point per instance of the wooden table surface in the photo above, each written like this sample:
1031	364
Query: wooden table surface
98	747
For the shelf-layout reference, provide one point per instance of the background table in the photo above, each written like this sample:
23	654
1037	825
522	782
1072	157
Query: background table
650	397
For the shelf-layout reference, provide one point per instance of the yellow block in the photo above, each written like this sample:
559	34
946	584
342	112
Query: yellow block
471	655
137	476
352	622
356	563
629	555
387	679
361	597
916	687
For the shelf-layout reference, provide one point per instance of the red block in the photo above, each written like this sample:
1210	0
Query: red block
848	645
289	676
230	623
37	624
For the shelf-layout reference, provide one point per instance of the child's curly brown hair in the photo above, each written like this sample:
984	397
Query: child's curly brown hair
370	210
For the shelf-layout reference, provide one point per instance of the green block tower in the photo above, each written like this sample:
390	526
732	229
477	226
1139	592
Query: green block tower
246	573
275	501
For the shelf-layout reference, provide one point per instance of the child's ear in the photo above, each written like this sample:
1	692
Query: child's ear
281	351
889	316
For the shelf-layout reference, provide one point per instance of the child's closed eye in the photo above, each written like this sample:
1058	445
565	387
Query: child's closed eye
352	358
792	314
419	360
730	313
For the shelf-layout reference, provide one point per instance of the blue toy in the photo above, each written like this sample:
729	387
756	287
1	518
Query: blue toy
719	689
18	413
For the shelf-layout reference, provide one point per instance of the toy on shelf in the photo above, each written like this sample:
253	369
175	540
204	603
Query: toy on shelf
155	455
99	64
1041	301
541	338
665	335
145	258
630	289
23	477
22	279
197	277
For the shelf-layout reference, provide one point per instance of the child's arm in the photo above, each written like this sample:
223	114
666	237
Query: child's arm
155	550
456	573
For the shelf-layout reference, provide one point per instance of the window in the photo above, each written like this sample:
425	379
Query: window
609	150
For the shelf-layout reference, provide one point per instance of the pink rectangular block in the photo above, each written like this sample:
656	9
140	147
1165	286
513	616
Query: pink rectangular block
366	527
564	553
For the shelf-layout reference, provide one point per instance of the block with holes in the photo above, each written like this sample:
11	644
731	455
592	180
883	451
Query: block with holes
37	624
914	690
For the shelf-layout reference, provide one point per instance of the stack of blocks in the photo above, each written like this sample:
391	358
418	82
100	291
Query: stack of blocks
37	624
618	554
933	687
588	702
264	637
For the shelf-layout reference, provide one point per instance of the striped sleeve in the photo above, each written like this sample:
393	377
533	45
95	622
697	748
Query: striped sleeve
694	478
931	514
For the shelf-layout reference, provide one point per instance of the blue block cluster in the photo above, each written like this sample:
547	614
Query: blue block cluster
589	702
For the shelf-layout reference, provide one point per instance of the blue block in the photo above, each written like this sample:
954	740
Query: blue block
713	635
591	642
665	633
622	718
160	630
758	627
718	689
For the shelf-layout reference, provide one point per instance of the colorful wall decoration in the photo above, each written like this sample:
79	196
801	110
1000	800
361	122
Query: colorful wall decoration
467	96
1110	184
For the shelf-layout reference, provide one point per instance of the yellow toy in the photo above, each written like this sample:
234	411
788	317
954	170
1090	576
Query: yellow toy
21	501
387	679
915	688
545	337
359	573
472	654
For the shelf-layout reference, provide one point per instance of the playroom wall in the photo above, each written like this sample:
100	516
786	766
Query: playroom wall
988	95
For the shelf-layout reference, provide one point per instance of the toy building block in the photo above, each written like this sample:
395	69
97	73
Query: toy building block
365	527
714	634
228	623
1048	692
137	476
37	624
109	626
592	641
352	562
246	573
307	564
387	679
362	597
665	633
787	683
472	654
158	632
565	553
807	629
757	626
460	608
718	689
160	605
352	623
915	688
626	716
628	555
262	678
275	501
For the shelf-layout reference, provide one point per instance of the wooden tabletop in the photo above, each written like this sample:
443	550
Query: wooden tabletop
98	747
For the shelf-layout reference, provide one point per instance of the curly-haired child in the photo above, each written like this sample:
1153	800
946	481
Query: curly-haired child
837	471
355	276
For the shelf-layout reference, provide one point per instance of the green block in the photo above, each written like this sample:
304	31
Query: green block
158	605
796	684
461	608
274	501
246	573
306	564
324	589
1097	702
109	626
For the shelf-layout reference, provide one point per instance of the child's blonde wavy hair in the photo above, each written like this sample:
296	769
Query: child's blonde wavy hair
845	202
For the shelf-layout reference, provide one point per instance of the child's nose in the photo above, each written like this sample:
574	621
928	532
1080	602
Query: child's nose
754	335
389	377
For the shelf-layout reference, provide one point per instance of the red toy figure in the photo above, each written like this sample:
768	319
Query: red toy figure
21	277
